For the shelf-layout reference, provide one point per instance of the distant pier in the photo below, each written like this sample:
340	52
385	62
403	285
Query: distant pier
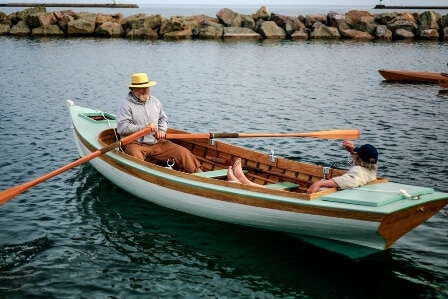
112	5
380	6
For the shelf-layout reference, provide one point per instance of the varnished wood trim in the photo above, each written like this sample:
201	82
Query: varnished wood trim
394	226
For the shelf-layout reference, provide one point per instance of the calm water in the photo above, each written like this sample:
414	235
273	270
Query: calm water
78	236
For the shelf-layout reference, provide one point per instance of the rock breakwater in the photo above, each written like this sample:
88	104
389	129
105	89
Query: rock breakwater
228	24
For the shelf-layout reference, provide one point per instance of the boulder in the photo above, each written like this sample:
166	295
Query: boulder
352	17
270	30
229	18
289	24
5	20
21	28
411	17
444	35
64	21
48	30
383	33
262	14
110	29
144	33
301	35
443	21
81	27
4	29
183	34
179	23
41	19
89	16
356	34
321	31
248	22
403	34
336	20
428	34
313	18
366	24
209	30
83	24
142	21
240	33
429	20
106	18
385	18
401	22
22	15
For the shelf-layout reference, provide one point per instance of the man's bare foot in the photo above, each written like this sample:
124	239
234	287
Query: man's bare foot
231	176
239	174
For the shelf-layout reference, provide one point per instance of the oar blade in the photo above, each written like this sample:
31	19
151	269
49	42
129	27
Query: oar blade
334	134
9	194
329	134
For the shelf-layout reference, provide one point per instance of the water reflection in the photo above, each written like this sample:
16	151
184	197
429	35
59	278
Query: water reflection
160	245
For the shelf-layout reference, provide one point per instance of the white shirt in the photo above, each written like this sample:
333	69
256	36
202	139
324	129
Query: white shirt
356	176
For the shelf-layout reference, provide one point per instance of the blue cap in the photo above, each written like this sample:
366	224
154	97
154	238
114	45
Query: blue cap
367	153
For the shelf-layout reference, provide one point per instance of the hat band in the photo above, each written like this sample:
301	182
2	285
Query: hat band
140	83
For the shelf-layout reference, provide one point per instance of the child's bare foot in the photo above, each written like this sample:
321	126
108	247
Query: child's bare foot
239	174
231	176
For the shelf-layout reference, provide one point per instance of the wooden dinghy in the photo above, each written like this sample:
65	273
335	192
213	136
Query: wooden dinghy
354	222
412	76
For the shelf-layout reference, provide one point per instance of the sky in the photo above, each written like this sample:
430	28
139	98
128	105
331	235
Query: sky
253	2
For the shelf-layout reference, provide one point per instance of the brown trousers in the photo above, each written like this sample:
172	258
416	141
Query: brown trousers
164	150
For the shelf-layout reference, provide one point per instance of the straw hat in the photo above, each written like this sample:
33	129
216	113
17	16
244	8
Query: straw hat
141	80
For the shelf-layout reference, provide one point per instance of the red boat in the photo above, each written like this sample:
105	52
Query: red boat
413	76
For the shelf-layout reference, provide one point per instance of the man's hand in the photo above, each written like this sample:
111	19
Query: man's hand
153	127
160	134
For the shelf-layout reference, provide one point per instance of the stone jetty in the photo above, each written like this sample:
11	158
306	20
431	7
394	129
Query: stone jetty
228	24
106	5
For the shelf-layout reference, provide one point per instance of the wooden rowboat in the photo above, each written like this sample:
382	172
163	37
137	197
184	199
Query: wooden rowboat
412	76
353	222
444	82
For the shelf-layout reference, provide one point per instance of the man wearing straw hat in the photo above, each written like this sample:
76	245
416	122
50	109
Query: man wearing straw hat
139	110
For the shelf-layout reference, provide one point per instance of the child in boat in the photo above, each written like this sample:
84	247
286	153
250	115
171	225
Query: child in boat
364	169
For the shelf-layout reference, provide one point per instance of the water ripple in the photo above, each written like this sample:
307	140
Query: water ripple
78	235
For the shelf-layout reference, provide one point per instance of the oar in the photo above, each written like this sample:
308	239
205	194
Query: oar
12	192
329	134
